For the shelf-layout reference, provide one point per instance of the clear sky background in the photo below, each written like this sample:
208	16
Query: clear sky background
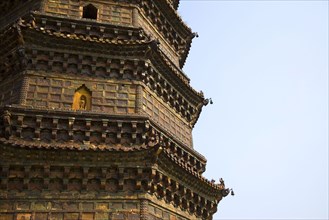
265	65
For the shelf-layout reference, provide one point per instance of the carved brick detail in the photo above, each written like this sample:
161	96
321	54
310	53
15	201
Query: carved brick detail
144	209
97	114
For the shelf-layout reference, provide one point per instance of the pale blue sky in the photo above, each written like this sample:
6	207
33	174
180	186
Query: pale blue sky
265	65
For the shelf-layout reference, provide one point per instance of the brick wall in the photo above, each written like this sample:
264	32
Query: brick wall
107	11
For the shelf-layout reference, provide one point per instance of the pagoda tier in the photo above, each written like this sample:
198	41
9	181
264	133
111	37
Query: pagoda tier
122	183
158	19
70	129
95	166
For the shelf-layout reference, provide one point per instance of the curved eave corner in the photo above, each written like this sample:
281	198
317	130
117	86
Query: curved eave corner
184	55
199	107
175	4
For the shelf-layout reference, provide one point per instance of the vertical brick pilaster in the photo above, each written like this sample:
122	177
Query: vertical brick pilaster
139	99
135	18
143	209
23	92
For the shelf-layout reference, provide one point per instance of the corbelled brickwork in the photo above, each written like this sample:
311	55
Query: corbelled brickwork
97	115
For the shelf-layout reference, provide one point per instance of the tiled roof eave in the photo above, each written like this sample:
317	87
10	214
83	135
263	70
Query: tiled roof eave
35	144
209	188
172	13
165	62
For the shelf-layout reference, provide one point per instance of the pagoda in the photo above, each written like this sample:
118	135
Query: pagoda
97	114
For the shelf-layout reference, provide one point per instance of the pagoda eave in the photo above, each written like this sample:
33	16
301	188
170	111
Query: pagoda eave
144	171
39	127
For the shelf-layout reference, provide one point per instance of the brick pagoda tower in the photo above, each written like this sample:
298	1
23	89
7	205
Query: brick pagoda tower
97	115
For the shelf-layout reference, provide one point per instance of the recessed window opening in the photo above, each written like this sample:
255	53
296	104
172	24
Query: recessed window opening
90	12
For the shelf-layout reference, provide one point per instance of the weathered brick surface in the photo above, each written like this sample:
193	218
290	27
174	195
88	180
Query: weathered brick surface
96	114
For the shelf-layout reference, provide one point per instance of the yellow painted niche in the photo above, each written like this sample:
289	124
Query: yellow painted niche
82	99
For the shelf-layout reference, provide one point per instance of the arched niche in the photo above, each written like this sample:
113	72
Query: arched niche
90	12
82	99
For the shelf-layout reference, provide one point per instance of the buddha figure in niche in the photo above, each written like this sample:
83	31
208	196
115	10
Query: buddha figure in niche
82	99
82	102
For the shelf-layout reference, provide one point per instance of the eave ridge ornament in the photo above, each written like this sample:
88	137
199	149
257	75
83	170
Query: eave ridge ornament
6	120
176	4
153	138
153	46
22	57
225	191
